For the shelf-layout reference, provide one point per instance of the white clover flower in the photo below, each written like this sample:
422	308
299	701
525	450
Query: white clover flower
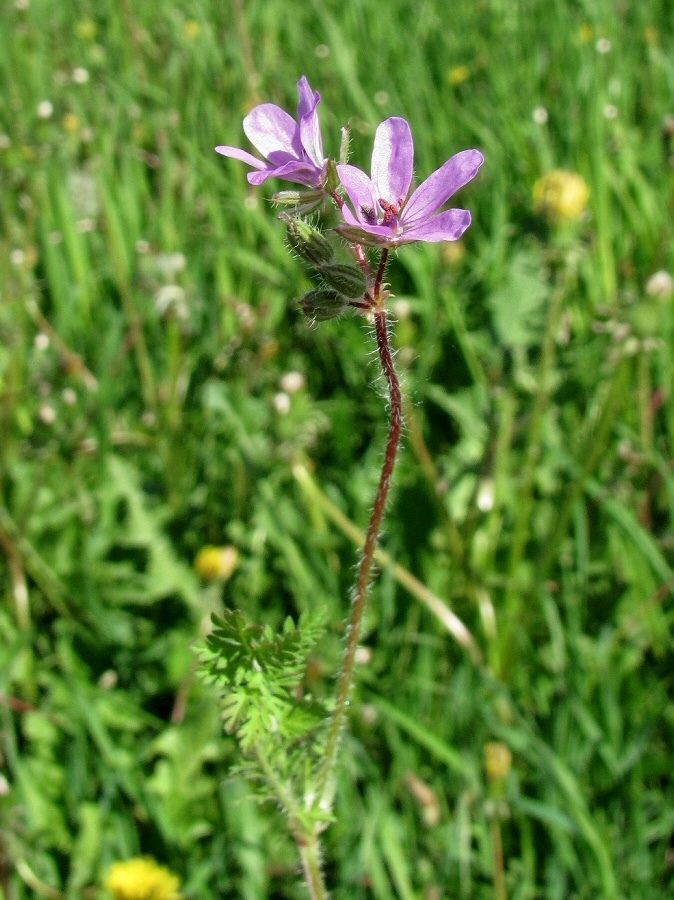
292	382
45	109
661	285
282	403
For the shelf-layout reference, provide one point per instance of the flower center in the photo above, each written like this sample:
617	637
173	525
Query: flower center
391	211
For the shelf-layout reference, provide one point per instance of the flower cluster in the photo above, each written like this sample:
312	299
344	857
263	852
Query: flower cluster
376	210
142	878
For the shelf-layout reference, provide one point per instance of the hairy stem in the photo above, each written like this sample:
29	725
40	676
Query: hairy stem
365	568
311	865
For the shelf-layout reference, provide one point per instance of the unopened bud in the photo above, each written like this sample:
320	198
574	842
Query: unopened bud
331	176
345	279
303	202
322	304
308	241
497	761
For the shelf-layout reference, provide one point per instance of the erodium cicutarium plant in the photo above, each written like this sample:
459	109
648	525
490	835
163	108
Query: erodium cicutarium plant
290	741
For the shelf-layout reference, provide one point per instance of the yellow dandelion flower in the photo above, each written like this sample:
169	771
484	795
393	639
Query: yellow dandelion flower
585	33
138	132
216	563
561	196
458	75
453	253
651	35
497	760
70	123
86	29
191	29
142	878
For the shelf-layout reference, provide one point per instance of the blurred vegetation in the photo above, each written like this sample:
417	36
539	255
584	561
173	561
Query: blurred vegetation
148	333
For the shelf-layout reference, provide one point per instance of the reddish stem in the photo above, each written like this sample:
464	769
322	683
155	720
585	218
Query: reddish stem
364	571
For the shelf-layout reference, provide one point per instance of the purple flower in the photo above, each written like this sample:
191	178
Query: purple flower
292	151
384	217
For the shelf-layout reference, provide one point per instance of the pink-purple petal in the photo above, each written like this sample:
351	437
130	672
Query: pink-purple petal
310	133
439	187
447	226
308	99
294	170
270	129
241	155
392	159
359	189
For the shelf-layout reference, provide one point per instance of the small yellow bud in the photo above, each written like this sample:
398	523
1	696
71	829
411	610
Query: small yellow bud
453	253
651	35
561	196
497	760
86	29
191	29
142	878
216	563
70	123
585	33
458	75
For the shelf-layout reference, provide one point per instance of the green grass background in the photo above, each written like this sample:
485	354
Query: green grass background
537	370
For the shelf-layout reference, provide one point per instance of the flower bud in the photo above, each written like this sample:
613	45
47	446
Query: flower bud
345	279
322	304
497	761
303	202
308	241
331	176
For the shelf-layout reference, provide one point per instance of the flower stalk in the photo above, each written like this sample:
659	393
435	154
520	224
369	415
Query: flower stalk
379	211
365	568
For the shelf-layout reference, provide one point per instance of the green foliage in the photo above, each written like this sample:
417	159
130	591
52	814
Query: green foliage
258	674
147	329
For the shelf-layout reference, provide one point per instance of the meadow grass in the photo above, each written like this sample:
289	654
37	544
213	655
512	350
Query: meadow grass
147	319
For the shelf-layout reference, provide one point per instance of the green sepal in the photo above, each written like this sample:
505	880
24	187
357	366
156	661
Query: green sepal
322	304
307	241
345	279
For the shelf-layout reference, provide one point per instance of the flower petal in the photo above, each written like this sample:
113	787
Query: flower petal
307	116
447	226
269	129
241	155
360	191
308	99
440	186
294	170
392	159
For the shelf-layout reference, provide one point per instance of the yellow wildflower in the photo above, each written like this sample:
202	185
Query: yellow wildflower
561	196
453	252
585	33
138	132
142	879
458	75
70	123
497	760
191	29
86	29
216	563
651	35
